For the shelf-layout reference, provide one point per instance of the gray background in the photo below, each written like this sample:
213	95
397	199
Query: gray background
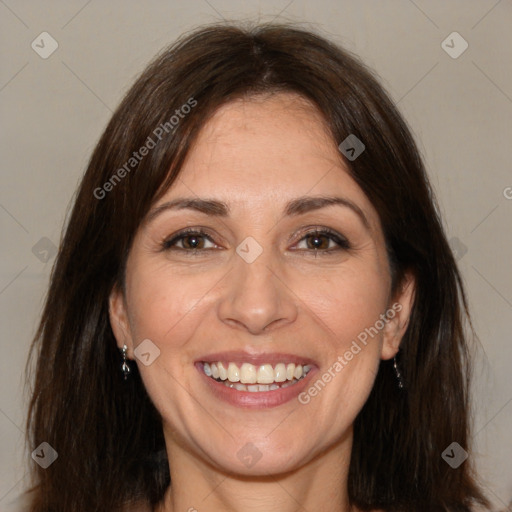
53	111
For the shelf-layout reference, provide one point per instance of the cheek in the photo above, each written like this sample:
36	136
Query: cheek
347	301
348	306
166	306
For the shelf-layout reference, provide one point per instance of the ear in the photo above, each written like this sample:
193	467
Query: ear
119	319
397	315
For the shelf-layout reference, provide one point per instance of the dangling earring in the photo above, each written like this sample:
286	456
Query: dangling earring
399	377
124	367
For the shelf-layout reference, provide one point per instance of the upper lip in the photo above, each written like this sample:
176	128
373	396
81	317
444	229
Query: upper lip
239	357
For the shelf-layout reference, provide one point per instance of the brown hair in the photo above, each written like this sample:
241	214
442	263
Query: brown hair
106	430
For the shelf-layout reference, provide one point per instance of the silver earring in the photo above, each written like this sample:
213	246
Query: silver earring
124	367
399	377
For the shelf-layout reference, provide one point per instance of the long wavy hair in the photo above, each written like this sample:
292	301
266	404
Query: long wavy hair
107	432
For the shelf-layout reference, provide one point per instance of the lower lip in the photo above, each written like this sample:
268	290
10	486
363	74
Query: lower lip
256	399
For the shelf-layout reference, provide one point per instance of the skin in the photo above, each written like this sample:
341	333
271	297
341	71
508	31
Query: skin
256	155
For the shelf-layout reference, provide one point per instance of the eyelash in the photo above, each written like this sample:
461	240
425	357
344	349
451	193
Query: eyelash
343	244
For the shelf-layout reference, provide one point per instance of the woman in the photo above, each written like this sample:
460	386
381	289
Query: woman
254	306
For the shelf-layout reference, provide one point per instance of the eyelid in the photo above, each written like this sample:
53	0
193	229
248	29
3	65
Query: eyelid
341	241
172	239
338	238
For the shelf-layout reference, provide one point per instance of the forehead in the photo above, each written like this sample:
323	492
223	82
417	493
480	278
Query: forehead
263	151
278	127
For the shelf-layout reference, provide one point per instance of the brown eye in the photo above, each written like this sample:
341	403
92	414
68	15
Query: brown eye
189	241
323	241
193	242
317	242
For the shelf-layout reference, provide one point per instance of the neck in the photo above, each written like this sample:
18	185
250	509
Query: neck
319	484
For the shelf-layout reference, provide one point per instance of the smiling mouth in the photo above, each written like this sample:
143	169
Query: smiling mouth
255	378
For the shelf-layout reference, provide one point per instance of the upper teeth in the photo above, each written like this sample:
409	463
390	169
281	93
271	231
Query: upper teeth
250	374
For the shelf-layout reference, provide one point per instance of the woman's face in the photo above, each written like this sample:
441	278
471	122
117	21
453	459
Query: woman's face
278	276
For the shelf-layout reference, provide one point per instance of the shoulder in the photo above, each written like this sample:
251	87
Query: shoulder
18	504
139	506
21	503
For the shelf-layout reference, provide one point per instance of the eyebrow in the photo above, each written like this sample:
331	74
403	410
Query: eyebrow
298	206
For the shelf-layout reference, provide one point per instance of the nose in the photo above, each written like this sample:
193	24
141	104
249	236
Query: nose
257	298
